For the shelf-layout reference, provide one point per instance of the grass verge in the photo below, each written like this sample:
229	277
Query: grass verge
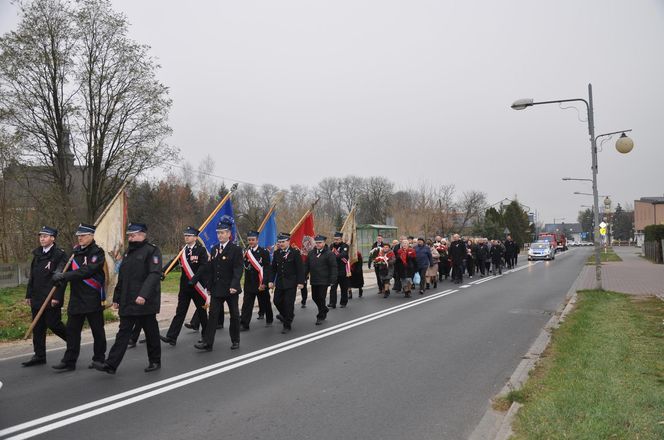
15	315
602	377
607	256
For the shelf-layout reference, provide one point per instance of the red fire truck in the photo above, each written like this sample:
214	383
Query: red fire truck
557	239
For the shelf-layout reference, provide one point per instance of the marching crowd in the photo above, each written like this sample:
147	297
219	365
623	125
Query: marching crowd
419	264
215	279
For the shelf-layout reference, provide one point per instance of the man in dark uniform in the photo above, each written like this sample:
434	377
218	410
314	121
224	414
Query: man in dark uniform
86	300
193	256
256	275
47	260
457	252
138	298
510	251
321	267
223	271
340	250
288	273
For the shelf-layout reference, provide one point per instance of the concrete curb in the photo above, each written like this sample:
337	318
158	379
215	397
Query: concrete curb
496	425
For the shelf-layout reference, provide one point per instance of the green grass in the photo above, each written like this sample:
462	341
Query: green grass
607	256
602	376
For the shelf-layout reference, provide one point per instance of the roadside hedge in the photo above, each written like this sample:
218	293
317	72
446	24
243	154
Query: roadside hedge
654	232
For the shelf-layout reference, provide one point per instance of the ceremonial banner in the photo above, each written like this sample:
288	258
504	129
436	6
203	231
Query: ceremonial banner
208	234
110	236
349	229
302	235
268	235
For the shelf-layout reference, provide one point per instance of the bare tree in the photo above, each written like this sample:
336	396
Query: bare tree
375	202
350	190
471	206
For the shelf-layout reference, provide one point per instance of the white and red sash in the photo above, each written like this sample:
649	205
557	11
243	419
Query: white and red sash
190	274
256	265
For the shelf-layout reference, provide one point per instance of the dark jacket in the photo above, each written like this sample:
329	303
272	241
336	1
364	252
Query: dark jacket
423	255
496	253
88	281
42	268
458	251
341	252
287	268
262	257
139	275
321	268
223	272
510	248
356	274
196	257
483	252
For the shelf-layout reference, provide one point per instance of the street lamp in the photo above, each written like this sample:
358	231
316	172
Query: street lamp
624	145
574	178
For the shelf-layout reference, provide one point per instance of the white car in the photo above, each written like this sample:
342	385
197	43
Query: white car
541	250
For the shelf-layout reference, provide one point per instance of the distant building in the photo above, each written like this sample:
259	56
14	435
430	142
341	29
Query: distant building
647	211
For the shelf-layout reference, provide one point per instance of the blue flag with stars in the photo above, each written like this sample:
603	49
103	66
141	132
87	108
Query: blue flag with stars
209	234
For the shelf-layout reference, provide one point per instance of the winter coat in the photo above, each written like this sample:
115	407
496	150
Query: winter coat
87	280
356	275
457	251
139	275
42	268
223	271
321	267
287	268
423	256
405	264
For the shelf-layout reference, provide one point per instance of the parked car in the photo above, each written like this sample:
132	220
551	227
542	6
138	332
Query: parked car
541	250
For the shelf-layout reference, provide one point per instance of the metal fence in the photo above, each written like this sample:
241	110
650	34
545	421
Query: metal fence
12	275
653	251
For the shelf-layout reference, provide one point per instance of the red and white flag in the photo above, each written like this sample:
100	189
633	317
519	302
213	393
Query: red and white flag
302	237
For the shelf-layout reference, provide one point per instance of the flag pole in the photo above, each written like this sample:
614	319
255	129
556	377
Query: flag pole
313	205
278	199
205	223
49	297
347	217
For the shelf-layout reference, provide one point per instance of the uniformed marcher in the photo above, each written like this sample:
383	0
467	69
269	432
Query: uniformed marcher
340	250
321	267
137	296
86	301
223	272
257	269
193	256
288	275
47	260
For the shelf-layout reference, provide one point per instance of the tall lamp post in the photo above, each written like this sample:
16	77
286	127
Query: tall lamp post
623	145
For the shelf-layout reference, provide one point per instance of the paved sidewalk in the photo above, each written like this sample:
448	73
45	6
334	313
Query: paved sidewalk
169	301
634	275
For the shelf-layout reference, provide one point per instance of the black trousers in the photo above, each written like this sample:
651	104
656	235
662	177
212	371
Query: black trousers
216	308
342	282
443	269
248	301
305	294
196	319
481	265
74	327
50	319
284	301
397	285
457	270
318	294
149	325
470	266
423	277
184	298
497	266
265	306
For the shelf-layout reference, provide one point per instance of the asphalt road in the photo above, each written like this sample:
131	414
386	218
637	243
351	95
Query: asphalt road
396	368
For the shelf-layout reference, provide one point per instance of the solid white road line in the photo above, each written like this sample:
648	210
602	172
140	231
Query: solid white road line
199	374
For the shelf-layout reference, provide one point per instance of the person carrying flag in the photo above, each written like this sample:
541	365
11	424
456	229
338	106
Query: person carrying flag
288	274
256	275
86	300
224	271
192	257
340	250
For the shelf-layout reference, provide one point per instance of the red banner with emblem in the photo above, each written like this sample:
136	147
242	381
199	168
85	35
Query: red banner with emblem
303	235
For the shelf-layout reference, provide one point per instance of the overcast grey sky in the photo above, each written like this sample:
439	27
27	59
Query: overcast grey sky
288	91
